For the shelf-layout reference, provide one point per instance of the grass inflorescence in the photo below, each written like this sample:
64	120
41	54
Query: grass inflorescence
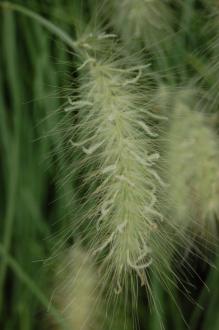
142	23
192	157
114	134
128	187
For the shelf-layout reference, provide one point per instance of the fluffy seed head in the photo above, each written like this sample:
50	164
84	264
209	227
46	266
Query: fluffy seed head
77	294
192	168
114	135
145	21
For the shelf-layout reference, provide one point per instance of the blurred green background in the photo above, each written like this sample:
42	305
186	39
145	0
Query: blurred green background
36	207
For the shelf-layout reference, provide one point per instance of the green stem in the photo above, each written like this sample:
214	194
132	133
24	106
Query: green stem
16	268
43	21
13	161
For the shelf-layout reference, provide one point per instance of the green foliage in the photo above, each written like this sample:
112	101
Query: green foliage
51	184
